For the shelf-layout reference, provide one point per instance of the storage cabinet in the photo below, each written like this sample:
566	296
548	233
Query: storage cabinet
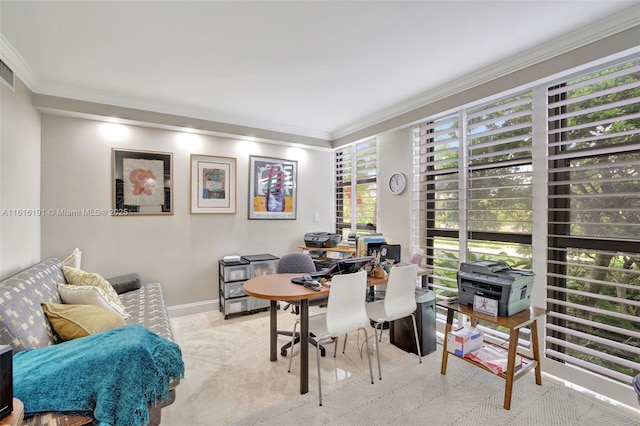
231	277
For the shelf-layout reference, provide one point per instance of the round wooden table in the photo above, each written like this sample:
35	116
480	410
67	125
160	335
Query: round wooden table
276	287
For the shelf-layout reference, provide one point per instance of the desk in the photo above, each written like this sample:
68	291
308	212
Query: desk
514	323
276	287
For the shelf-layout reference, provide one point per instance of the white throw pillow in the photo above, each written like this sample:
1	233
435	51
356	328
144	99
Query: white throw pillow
74	259
79	277
89	295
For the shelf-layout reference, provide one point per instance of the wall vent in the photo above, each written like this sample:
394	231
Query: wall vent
6	75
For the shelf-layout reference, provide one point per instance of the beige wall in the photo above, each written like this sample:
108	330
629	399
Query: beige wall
394	153
180	251
19	180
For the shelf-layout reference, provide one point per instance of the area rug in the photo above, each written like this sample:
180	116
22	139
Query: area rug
417	394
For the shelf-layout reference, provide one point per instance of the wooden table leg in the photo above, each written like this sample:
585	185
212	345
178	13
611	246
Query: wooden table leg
447	329
511	367
535	348
273	331
304	346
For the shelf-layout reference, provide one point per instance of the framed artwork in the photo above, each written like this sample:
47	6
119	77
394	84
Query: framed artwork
272	188
142	182
213	184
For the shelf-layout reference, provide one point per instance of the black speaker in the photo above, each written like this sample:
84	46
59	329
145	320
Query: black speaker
6	380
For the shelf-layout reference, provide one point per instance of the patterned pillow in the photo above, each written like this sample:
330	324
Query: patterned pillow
24	325
89	295
75	321
79	277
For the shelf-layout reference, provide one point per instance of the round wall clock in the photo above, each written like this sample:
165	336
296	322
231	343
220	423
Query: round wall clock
397	183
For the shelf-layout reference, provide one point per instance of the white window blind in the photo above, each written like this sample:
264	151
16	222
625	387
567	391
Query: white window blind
499	138
474	197
356	170
593	293
436	204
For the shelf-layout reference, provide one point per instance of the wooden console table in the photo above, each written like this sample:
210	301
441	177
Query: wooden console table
514	323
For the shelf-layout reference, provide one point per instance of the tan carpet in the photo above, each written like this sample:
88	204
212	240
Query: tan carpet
414	394
229	380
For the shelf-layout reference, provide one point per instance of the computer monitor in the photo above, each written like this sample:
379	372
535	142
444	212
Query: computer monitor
390	252
345	266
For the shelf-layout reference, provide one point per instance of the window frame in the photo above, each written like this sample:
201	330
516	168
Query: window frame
355	158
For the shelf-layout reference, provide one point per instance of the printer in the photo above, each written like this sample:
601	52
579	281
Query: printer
321	239
498	281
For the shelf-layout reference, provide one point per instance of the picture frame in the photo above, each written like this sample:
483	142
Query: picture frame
142	182
213	184
272	188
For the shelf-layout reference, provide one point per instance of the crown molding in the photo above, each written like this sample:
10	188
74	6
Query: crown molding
18	65
177	110
73	107
604	28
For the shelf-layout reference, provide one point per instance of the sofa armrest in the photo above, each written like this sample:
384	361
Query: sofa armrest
124	283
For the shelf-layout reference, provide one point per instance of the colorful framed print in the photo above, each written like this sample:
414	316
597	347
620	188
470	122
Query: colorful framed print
142	182
213	184
272	188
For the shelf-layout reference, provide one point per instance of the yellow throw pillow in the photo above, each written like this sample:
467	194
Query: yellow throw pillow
74	321
76	276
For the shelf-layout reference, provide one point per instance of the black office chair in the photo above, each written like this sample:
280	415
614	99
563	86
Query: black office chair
303	264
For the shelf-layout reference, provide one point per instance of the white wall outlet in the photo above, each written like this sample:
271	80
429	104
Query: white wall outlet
316	217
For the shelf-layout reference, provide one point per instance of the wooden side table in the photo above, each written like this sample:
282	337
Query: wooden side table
17	415
514	323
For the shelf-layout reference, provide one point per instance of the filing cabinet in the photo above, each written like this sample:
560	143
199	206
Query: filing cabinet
231	277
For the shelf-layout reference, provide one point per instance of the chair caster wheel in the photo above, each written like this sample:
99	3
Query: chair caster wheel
283	353
322	352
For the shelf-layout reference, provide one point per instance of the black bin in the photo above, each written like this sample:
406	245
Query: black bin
401	331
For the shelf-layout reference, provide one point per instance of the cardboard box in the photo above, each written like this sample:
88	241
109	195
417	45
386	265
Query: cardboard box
463	341
494	358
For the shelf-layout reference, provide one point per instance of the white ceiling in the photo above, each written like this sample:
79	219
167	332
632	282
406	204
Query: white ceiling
313	68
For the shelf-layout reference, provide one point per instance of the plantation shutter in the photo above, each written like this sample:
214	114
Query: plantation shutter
343	170
593	293
499	139
436	203
356	174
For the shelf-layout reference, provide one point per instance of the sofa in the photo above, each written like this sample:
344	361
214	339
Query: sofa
25	326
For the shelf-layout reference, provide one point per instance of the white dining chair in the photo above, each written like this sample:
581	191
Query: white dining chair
345	313
399	302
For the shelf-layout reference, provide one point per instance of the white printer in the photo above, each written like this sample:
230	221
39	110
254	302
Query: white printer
498	281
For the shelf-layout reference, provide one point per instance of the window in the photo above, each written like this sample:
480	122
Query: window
356	170
593	282
475	196
575	145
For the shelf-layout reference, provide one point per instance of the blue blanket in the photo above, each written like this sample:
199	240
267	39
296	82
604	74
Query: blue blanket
113	374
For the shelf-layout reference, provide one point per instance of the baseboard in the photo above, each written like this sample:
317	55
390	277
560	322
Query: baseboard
193	308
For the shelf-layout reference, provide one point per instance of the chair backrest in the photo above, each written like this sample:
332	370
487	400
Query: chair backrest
400	296
293	263
346	309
